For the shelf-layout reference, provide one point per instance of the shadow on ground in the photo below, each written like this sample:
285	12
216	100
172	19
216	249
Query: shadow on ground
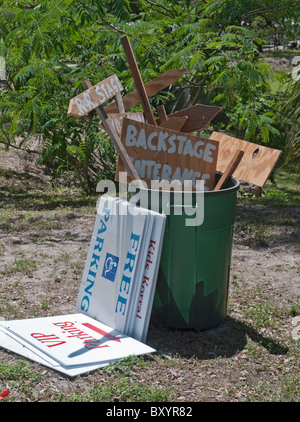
225	341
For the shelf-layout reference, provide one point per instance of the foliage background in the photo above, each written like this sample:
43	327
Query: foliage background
51	47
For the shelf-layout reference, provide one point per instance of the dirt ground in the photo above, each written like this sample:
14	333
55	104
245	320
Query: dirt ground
44	239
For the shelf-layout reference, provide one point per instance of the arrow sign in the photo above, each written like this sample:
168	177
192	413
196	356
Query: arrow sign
152	87
198	115
95	96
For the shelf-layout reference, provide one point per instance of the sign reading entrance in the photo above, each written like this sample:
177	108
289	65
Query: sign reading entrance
167	155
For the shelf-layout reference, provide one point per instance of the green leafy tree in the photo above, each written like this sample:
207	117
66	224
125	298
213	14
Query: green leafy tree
51	47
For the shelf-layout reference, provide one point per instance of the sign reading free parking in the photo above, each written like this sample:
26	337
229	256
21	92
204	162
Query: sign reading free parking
167	155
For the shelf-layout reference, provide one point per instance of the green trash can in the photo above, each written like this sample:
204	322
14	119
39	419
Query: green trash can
193	278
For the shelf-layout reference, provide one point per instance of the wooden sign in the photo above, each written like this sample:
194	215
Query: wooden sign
175	123
112	133
163	154
138	80
256	164
199	116
95	96
116	120
161	82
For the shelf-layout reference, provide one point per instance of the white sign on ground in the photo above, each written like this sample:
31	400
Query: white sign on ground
69	343
114	301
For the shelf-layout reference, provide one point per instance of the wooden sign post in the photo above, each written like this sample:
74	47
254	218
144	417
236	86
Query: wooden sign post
166	155
92	99
138	80
234	162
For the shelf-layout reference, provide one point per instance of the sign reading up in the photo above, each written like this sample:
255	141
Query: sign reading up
167	155
95	96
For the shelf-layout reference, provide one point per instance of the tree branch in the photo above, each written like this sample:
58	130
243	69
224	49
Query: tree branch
270	10
167	11
8	144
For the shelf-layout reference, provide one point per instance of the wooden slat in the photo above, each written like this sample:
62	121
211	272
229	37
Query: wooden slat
198	115
233	163
114	138
153	87
116	120
175	123
138	80
161	111
257	162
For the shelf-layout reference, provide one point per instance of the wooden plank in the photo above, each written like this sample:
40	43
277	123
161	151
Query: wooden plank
164	154
161	111
120	104
153	87
233	163
116	120
175	123
114	138
95	96
257	163
138	80
198	115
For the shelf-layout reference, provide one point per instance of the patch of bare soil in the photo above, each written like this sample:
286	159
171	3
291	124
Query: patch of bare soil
44	239
280	63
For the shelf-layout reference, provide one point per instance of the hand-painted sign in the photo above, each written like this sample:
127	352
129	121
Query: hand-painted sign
95	96
167	155
116	119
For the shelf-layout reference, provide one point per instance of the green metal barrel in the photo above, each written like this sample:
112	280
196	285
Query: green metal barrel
193	279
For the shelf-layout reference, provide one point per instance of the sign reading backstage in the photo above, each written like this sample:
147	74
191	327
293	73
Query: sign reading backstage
167	155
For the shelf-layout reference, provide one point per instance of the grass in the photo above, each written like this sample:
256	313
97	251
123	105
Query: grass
122	389
283	190
21	378
286	53
23	265
253	357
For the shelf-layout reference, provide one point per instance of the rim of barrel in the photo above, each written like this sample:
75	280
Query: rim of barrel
235	184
